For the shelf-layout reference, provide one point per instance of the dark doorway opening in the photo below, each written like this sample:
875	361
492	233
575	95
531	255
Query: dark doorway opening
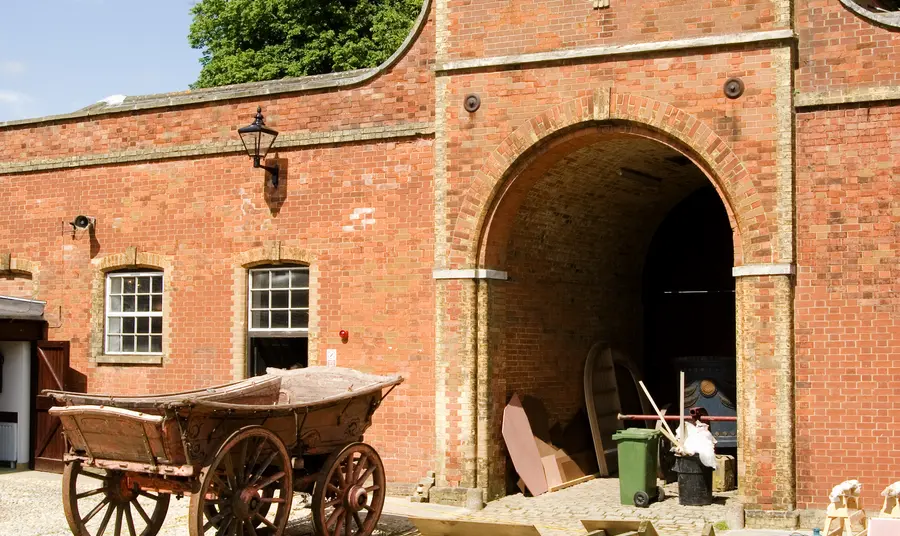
689	311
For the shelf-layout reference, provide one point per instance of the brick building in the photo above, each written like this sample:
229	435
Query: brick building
605	190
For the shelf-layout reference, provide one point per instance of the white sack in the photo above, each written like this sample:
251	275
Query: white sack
892	491
699	441
847	488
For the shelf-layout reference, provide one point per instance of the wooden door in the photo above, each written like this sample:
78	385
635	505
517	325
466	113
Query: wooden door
50	445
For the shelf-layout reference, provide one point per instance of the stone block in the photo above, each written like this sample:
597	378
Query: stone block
771	519
725	475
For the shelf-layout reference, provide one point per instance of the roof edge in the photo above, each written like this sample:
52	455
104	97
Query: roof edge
240	91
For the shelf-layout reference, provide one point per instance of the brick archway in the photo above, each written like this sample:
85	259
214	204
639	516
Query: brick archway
763	292
606	111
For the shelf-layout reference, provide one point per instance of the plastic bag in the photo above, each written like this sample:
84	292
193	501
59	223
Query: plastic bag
699	441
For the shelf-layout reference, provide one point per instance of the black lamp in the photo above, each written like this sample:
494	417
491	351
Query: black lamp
258	139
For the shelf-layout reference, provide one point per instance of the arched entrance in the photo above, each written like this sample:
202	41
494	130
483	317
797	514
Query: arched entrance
545	256
576	237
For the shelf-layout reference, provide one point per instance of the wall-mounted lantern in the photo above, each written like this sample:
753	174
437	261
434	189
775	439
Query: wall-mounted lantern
258	139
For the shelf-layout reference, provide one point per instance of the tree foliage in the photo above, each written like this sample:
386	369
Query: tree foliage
253	40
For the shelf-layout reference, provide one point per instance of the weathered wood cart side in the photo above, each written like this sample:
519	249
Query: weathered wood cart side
239	450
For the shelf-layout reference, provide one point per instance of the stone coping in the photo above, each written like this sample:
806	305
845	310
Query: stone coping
241	91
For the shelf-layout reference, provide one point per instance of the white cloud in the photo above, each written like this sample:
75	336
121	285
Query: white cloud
11	68
13	97
14	105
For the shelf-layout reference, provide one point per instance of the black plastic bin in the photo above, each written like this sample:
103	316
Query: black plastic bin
694	481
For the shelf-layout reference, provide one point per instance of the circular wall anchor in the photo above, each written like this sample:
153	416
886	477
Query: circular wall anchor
734	88
472	103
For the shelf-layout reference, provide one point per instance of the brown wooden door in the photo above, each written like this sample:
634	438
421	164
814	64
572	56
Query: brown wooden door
52	366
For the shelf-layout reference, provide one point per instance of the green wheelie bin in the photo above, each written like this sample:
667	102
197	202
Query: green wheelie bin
638	457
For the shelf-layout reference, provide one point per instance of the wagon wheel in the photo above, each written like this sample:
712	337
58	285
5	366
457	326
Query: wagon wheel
235	497
349	493
92	496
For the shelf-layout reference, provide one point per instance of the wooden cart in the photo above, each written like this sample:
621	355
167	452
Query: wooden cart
239	450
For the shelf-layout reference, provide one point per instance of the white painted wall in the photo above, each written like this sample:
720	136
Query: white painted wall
16	395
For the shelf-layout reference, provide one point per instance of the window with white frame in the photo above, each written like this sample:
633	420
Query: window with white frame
134	312
279	300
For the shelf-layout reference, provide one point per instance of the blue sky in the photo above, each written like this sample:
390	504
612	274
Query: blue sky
57	56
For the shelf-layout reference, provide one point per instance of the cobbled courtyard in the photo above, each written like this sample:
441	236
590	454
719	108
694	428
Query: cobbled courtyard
31	505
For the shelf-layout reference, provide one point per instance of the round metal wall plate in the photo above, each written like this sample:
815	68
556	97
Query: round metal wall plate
734	88
472	103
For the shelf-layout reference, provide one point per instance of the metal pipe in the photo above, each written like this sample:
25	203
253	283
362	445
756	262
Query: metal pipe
705	418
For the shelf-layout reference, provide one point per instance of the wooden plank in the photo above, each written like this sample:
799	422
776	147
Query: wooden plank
575	482
601	398
620	527
551	471
453	527
522	448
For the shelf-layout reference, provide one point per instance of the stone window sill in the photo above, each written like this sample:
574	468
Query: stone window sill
130	359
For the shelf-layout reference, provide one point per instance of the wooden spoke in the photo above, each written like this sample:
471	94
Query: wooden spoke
264	520
333	489
226	527
223	513
147	494
358	520
89	493
229	472
359	466
271	480
129	520
340	523
277	500
242	458
118	521
220	483
347	525
265	465
373	488
334	516
95	511
105	521
252	530
362	480
94	475
140	510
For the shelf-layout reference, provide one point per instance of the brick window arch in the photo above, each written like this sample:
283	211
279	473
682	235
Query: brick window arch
881	12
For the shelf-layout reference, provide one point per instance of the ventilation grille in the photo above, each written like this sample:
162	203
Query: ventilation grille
8	442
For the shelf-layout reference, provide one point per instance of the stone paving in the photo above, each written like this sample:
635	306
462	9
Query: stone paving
31	505
560	513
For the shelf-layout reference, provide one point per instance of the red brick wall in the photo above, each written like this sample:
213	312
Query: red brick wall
507	27
17	286
839	50
847	301
373	279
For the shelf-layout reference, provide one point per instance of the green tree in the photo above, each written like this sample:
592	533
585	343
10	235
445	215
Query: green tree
253	40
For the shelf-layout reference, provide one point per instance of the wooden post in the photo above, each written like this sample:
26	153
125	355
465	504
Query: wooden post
681	407
665	430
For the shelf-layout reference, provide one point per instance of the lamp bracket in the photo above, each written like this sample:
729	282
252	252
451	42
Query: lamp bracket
273	170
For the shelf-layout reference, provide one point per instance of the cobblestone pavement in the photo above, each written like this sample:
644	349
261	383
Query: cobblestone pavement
31	505
560	513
